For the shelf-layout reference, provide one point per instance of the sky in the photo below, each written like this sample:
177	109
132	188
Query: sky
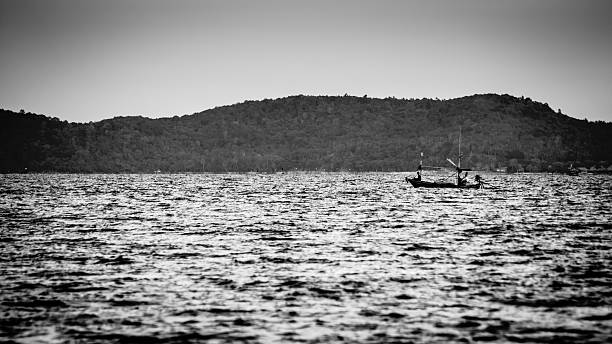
86	60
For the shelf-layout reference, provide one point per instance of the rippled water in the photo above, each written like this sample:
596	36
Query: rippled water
304	257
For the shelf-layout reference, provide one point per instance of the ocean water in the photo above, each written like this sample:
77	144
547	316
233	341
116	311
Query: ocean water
304	257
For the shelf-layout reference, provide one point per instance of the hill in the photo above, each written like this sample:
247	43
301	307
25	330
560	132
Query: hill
312	133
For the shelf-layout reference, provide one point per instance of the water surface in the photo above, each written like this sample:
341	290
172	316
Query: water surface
304	257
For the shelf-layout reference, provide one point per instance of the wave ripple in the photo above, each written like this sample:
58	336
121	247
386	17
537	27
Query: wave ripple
304	257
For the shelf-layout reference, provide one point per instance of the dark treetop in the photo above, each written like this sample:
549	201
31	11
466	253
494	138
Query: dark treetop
312	133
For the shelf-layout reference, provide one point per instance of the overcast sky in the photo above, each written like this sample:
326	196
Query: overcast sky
89	60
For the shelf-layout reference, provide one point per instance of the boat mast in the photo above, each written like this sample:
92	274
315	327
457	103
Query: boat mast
459	164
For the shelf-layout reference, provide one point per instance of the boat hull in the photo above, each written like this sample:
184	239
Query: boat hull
423	184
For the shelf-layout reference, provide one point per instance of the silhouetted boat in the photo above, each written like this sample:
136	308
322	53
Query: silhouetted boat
572	171
461	182
425	184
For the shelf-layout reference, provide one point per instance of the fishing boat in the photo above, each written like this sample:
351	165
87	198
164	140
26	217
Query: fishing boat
461	182
572	171
425	184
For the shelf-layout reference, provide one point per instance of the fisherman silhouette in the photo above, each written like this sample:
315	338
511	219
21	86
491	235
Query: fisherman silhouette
463	181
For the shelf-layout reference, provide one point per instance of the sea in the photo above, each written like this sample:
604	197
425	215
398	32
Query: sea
304	257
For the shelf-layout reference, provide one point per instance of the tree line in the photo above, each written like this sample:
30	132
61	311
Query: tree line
331	133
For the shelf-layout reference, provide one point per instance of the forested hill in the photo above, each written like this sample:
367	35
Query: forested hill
312	133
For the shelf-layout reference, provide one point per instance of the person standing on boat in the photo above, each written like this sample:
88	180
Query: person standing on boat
462	181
